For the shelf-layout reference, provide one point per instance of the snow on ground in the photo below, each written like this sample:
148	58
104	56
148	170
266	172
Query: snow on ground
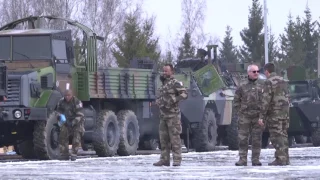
305	164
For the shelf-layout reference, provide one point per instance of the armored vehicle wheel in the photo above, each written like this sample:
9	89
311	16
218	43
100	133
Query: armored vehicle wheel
205	137
46	138
232	134
26	149
129	133
151	144
315	136
106	134
300	139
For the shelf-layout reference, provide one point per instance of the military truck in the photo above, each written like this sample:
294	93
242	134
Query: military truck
37	65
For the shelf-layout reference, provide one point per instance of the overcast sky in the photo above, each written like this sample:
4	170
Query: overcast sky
221	13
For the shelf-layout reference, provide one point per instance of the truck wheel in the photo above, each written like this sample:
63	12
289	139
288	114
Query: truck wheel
151	144
205	137
315	136
26	149
232	134
46	138
300	139
106	134
129	133
16	149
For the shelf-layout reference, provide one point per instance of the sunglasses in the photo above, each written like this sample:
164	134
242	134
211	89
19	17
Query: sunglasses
255	71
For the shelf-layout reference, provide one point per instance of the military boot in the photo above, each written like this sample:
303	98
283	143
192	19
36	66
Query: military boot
73	157
241	162
277	162
64	158
161	163
176	163
256	162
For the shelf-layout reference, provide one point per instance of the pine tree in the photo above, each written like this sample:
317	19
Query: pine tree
228	52
310	39
253	48
292	44
273	51
186	49
135	41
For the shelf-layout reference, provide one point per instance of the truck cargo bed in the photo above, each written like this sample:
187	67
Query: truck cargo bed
118	83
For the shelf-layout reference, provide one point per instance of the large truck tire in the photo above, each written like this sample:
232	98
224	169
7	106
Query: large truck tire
300	139
232	134
26	149
46	138
205	136
315	136
129	133
106	134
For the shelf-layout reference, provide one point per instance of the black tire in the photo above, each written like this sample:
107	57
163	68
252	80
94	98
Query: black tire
106	134
84	146
26	149
290	141
309	139
205	137
151	144
232	134
300	139
16	149
315	136
129	133
46	138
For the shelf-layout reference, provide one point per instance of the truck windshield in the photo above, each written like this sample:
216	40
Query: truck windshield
297	89
25	48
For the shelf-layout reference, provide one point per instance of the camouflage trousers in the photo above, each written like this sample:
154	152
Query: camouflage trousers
247	126
169	132
279	137
76	132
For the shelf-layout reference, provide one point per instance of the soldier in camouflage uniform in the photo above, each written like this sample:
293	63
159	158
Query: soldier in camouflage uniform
246	103
71	107
275	111
171	92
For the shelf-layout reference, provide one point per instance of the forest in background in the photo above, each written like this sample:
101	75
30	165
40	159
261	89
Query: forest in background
128	32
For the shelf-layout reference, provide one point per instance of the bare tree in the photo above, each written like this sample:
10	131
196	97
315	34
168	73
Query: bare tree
13	10
193	17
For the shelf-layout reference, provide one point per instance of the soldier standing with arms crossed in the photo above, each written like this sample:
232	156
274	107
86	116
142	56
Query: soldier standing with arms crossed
171	92
71	107
246	103
275	111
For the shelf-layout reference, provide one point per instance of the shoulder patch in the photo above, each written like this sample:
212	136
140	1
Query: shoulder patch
80	104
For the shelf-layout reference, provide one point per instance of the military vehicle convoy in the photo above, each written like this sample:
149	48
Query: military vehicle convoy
37	65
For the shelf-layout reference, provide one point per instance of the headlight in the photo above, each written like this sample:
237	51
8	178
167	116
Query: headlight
17	114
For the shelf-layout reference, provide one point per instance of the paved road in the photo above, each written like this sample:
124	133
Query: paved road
305	164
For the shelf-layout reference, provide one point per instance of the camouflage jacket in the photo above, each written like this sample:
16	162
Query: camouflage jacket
171	92
247	97
275	97
72	109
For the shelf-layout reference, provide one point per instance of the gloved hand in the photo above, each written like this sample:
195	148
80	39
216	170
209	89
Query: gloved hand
62	119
